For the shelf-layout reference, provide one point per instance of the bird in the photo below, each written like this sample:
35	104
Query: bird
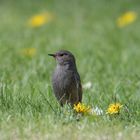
66	82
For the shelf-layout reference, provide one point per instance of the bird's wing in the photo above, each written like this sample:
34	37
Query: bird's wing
79	86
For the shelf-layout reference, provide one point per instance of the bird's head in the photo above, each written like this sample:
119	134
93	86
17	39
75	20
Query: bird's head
64	57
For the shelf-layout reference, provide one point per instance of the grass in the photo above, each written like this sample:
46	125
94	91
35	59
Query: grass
106	55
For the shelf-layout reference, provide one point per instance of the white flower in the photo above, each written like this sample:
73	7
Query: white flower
97	111
87	85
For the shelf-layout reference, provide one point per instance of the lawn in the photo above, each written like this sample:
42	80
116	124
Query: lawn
107	56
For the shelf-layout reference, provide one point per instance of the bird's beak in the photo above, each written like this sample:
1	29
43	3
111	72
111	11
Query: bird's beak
52	55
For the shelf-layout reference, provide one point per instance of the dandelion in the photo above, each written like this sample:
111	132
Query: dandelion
40	19
87	85
29	52
126	19
81	108
114	108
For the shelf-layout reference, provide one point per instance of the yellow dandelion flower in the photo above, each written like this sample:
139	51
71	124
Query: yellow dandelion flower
126	19
40	19
114	108
29	52
81	108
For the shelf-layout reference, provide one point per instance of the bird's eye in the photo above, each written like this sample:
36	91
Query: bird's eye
63	54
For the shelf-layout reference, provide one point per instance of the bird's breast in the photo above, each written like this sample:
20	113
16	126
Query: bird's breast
62	78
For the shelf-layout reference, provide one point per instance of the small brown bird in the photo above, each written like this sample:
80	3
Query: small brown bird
66	80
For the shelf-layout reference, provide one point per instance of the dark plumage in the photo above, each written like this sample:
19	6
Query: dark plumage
66	80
